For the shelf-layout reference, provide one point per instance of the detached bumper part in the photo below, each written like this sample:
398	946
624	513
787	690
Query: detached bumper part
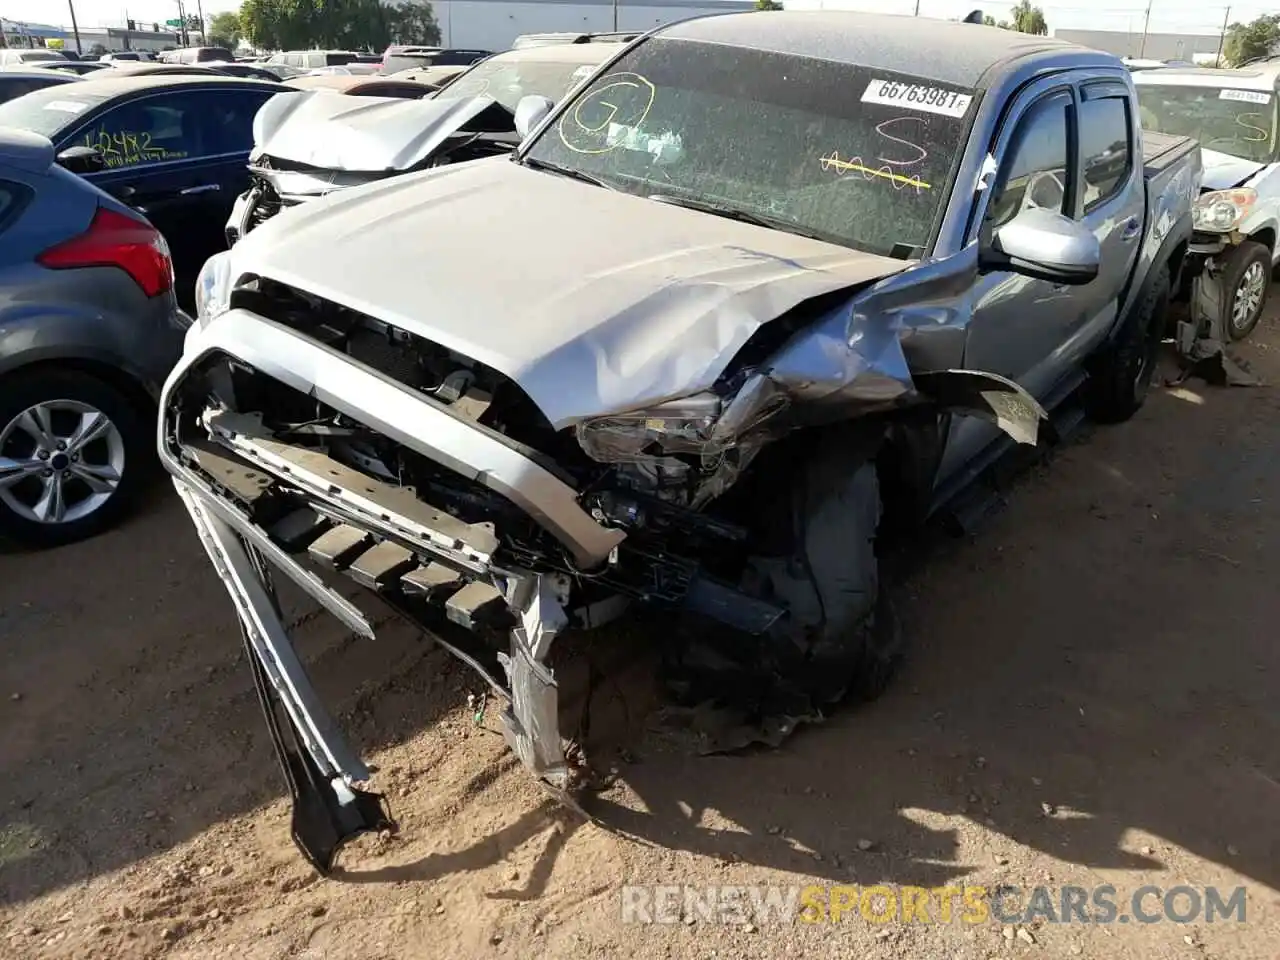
318	763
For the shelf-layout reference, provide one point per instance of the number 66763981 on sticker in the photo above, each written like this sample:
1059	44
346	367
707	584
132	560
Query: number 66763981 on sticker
914	96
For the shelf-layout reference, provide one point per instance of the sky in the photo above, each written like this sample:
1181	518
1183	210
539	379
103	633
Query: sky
1176	16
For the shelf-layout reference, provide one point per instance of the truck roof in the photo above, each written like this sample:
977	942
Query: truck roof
962	54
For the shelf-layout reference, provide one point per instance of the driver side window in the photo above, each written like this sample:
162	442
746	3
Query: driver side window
1036	170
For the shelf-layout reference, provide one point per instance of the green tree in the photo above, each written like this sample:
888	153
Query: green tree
768	5
1248	40
1028	19
224	30
260	23
356	24
415	22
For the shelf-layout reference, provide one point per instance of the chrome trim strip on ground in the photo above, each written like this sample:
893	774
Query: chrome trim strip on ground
320	734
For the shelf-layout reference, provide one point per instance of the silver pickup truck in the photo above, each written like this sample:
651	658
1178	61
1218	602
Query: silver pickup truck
762	293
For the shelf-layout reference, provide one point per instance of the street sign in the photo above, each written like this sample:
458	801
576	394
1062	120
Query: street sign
173	23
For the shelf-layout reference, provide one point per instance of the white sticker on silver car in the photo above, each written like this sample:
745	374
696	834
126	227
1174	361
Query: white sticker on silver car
1245	96
915	96
66	106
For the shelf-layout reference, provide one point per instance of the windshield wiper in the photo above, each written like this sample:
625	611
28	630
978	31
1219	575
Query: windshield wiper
749	216
535	164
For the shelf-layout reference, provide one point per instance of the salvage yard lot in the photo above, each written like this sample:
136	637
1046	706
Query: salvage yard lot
1092	698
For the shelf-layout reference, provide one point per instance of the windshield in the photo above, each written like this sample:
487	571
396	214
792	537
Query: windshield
50	110
863	158
507	79
1239	122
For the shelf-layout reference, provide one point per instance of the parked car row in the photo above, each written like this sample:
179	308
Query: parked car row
314	145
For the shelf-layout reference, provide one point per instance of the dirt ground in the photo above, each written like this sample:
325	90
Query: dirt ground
1093	697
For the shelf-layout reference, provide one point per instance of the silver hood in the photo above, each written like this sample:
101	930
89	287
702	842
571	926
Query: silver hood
1222	171
333	131
593	301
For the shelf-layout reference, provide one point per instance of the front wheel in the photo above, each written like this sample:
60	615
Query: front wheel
1246	280
72	453
840	638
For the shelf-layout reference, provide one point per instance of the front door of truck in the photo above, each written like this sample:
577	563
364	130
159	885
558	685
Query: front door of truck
1019	323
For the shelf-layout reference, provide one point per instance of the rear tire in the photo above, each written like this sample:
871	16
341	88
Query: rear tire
99	479
1121	374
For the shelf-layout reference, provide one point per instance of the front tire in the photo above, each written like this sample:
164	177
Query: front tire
816	535
1246	278
73	451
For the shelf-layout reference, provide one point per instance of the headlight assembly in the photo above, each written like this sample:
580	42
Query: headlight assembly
1220	211
213	287
677	426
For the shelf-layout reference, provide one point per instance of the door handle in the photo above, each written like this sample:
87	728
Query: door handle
1131	228
202	188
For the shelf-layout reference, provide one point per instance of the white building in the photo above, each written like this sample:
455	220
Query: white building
494	24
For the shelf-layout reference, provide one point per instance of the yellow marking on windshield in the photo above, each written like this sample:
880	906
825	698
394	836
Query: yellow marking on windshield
832	161
635	96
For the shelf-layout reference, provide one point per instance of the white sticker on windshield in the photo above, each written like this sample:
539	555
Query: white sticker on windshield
914	96
1245	96
66	106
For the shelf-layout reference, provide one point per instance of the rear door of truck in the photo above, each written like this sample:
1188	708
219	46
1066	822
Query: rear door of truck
1112	203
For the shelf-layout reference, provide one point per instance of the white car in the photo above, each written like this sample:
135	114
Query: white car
1233	115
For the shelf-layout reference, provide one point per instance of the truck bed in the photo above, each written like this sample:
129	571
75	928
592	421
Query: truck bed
1161	150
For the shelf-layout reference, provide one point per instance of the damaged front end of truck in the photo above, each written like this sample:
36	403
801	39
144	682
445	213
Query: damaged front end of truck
308	437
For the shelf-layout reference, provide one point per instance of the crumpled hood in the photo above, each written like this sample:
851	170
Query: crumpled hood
594	301
1222	171
333	131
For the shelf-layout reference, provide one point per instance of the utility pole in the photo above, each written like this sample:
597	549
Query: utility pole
615	16
1222	39
71	5
917	13
1146	22
204	39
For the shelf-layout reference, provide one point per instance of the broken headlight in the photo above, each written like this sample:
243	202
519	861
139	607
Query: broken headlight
1220	211
677	426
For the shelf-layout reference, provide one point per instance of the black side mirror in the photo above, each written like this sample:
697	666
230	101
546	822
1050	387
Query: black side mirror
82	160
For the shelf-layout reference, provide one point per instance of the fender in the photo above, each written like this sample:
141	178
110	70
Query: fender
43	337
1180	234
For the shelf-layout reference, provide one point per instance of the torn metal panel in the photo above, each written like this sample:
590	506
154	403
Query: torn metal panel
987	396
855	353
851	361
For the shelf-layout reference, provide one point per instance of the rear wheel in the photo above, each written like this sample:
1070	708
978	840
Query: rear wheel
72	453
1121	374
